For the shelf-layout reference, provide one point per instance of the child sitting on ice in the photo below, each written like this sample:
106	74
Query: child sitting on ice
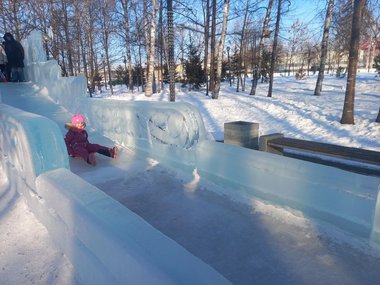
77	143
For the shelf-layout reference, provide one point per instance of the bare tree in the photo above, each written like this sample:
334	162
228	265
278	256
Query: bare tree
274	49
150	37
67	37
212	48
106	24
127	31
341	31
348	107
296	46
218	77
324	48
90	43
241	50
206	40
15	18
171	52
264	33
160	50
81	20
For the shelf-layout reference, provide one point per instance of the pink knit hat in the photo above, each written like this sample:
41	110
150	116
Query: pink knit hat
77	118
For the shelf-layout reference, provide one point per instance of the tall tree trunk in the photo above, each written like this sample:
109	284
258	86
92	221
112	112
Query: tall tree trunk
63	56
15	22
128	42
141	75
264	33
161	33
212	48
109	68
274	50
150	50
324	48
171	52
206	38
67	38
218	77
105	23
241	53
348	107
91	45
82	18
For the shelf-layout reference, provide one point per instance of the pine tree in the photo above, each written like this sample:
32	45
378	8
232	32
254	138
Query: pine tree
193	67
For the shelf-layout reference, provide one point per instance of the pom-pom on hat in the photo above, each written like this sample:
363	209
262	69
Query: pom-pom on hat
77	118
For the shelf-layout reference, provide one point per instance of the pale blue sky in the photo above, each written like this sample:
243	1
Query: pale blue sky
310	12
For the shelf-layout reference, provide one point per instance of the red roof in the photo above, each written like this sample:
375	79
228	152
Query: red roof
366	44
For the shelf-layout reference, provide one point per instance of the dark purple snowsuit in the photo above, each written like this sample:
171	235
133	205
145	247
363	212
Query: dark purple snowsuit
78	145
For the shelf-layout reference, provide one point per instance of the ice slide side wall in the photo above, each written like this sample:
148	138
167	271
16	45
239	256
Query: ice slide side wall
106	243
348	200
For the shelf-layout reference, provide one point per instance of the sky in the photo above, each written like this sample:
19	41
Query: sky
311	13
280	245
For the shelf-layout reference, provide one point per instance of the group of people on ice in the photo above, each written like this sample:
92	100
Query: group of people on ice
11	60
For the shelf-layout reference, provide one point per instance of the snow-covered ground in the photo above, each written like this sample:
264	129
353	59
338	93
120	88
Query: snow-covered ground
260	243
27	253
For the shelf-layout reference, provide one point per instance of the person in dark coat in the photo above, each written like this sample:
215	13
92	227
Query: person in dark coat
15	55
77	143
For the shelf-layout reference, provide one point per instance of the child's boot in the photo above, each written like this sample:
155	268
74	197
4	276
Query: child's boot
114	151
91	159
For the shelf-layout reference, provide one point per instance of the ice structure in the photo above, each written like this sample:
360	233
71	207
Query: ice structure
105	241
84	222
174	133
